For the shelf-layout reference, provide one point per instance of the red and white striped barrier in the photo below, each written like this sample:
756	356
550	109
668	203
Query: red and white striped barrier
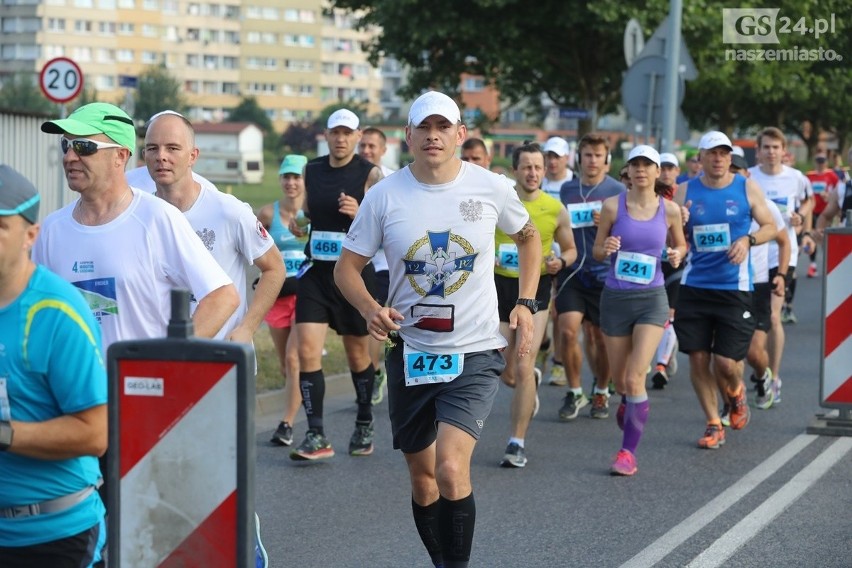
836	369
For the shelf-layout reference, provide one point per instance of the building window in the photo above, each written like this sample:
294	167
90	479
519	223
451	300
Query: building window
56	24
193	60
190	86
473	84
229	62
229	88
82	54
153	5
18	51
253	37
106	4
127	4
149	30
105	82
211	61
291	15
170	7
124	55
106	55
84	4
125	28
150	57
232	12
107	28
83	26
253	12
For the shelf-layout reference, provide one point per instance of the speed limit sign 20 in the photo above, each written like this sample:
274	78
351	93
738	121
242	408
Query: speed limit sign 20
61	80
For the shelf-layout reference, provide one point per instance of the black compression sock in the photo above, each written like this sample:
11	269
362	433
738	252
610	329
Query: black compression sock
363	382
426	521
457	520
312	386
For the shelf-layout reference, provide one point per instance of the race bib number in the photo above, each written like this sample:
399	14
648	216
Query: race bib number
326	245
293	259
507	257
582	214
635	267
427	368
819	187
712	238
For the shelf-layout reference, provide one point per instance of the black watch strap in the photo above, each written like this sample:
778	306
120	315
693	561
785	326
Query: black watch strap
530	303
6	434
752	240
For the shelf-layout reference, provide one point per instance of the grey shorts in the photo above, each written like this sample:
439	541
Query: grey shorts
465	402
623	309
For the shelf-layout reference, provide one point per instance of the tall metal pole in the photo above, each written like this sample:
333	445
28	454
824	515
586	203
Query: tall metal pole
670	103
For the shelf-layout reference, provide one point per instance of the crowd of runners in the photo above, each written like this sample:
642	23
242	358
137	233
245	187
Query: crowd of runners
443	280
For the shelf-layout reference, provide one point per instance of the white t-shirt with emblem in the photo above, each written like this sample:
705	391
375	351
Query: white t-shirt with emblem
229	229
439	242
127	268
759	255
787	190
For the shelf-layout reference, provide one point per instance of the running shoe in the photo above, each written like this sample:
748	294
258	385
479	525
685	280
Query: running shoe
619	415
812	270
557	376
572	405
361	442
315	446
537	375
624	463
514	456
283	435
725	415
671	368
660	378
379	386
740	413
791	316
714	436
261	559
764	396
776	389
600	406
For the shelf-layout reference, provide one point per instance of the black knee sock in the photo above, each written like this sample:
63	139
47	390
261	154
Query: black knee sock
426	521
363	382
457	519
312	386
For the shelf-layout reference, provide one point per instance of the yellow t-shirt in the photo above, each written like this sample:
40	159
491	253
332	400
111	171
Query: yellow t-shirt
544	214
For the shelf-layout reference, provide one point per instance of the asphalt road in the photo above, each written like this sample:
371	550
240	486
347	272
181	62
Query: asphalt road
772	496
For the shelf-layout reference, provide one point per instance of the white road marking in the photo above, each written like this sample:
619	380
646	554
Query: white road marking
747	529
679	534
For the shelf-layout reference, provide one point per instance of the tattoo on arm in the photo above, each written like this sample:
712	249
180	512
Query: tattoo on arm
526	232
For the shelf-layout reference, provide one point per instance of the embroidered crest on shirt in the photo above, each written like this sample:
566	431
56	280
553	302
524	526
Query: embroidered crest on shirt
439	263
208	237
471	210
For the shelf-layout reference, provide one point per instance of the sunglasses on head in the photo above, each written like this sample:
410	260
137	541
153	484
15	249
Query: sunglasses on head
84	146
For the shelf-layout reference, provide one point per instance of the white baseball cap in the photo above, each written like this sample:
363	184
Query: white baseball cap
738	151
343	117
643	151
715	139
669	158
557	145
431	103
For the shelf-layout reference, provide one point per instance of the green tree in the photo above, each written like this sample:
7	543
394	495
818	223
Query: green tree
157	90
571	51
249	110
301	137
21	94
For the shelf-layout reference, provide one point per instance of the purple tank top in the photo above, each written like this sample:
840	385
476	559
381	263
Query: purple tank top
637	264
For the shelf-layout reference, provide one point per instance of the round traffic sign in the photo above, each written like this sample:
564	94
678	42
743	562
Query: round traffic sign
61	80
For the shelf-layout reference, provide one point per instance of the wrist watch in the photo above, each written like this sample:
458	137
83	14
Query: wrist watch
6	433
530	303
752	240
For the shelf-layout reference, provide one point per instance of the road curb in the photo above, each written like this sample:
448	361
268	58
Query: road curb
271	403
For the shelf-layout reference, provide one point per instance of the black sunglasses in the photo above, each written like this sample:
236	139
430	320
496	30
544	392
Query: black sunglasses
84	146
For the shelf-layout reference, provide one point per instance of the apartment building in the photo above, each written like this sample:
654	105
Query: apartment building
295	56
